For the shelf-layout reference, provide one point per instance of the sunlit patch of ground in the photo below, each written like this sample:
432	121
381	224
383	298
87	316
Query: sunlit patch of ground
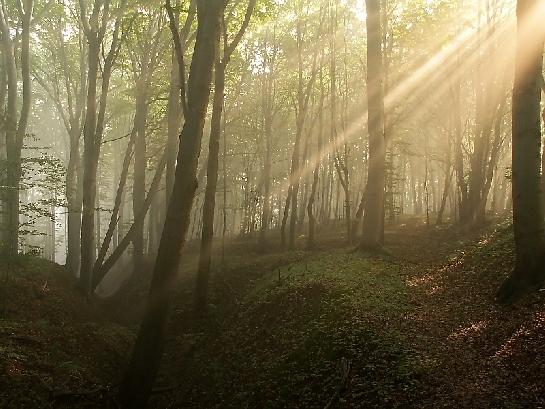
470	331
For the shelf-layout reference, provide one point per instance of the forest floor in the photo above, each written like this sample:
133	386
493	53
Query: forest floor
414	327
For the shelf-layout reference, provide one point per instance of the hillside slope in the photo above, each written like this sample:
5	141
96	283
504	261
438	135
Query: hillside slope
53	343
416	327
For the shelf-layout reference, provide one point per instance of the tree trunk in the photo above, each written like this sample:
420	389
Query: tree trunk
317	166
528	220
444	197
15	130
209	205
174	118
144	364
139	175
115	219
89	171
93	130
285	215
373	218
267	168
100	270
73	199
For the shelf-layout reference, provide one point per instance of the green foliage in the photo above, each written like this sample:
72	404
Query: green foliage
298	323
43	177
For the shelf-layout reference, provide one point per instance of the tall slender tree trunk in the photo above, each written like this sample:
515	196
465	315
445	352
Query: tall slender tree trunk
285	215
93	129
373	218
174	118
267	169
209	205
15	130
89	171
139	175
459	156
116	216
317	166
224	204
528	220
444	196
73	199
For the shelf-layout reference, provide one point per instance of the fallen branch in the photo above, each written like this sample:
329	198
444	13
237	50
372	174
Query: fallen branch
82	394
103	391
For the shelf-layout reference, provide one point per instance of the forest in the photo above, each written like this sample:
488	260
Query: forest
272	204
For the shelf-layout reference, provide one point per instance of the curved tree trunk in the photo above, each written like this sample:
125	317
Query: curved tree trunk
148	349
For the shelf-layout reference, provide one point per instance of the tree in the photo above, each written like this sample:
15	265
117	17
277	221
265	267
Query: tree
528	223
317	164
209	204
174	107
300	106
144	364
269	53
144	55
15	128
67	91
373	218
94	28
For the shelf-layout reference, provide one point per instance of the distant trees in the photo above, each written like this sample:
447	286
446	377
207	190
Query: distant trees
529	226
490	88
